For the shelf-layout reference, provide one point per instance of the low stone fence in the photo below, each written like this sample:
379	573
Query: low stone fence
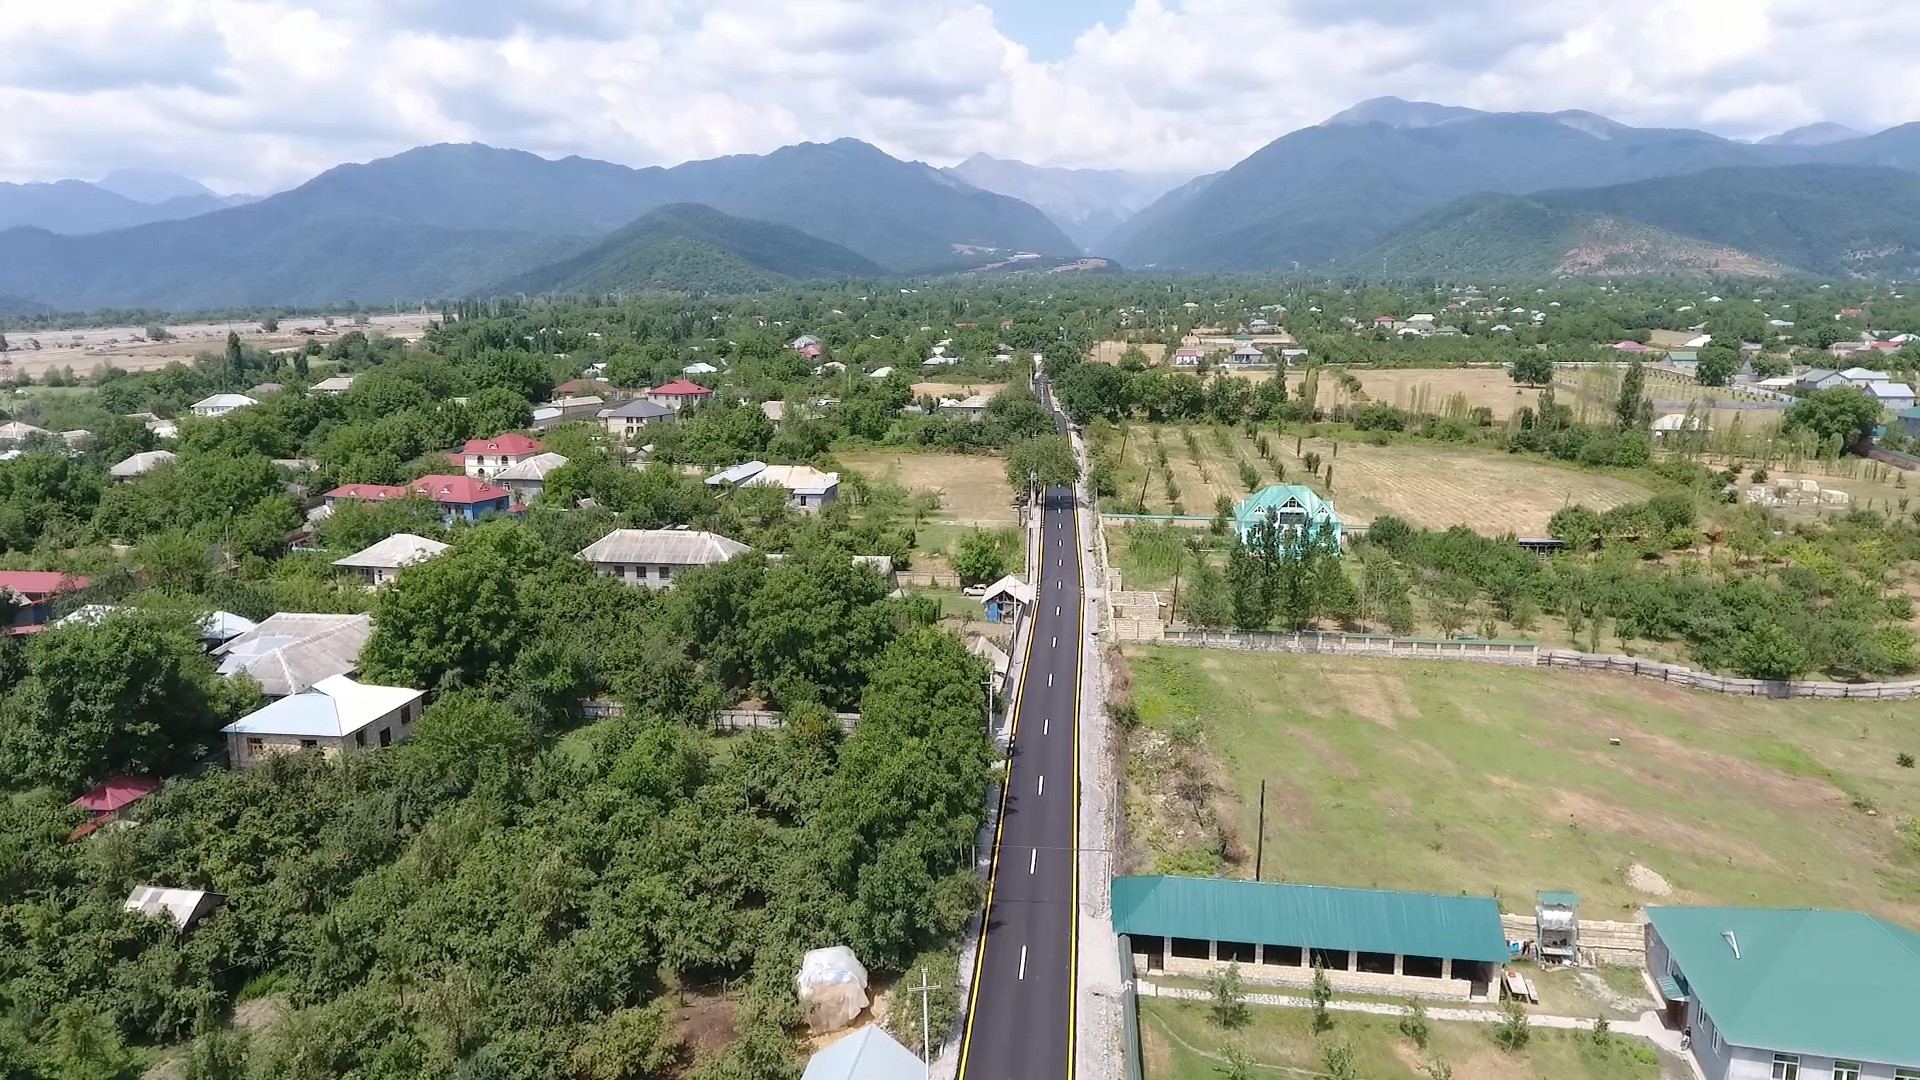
727	720
1616	944
1679	675
1509	653
922	579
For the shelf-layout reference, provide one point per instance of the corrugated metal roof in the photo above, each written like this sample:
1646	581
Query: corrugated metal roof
1313	916
1831	983
291	651
867	1054
396	551
669	547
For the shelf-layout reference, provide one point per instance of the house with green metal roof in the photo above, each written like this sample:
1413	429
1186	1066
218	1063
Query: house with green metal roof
1290	506
1367	940
1790	994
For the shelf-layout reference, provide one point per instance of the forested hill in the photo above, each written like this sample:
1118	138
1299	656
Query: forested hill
1831	220
685	247
447	220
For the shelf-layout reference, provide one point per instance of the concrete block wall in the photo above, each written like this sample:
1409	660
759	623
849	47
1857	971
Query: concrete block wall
1346	982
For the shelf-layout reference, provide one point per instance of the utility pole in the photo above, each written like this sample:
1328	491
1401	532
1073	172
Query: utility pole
926	1030
1260	837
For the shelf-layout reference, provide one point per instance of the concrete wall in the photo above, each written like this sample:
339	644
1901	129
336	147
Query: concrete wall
1300	975
1721	684
1508	653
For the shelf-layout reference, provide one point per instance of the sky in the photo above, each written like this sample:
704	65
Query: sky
258	95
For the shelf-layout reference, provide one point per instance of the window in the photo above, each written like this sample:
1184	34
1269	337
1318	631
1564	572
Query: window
1786	1067
386	736
1846	1070
360	738
255	746
1906	1074
666	572
308	744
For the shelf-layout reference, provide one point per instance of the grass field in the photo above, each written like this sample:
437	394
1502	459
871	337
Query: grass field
1109	352
1429	484
1458	777
972	487
1181	1042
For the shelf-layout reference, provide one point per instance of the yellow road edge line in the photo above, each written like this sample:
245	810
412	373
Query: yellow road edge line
1000	822
1080	675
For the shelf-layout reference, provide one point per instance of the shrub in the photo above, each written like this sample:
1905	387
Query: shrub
1903	759
1512	1032
1414	1023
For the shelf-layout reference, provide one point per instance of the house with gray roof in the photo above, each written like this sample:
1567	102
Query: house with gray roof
655	557
336	716
383	561
139	464
627	421
290	652
867	1054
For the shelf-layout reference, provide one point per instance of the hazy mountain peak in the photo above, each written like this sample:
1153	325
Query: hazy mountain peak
1818	134
150	186
1087	204
1399	113
1600	127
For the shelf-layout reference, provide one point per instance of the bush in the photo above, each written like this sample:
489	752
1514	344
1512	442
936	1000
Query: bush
1512	1032
1413	1024
1903	759
1229	1005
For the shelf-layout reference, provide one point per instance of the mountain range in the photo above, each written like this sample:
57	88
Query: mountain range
1324	194
1386	186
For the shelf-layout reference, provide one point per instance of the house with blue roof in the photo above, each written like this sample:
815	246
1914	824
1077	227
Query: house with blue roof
1290	506
1789	993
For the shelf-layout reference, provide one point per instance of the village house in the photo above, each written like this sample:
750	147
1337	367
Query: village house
527	479
1188	356
1819	379
184	908
971	408
221	404
335	385
1290	506
564	410
627	421
654	558
289	652
1863	377
483	457
383	561
463	498
137	465
1792	994
1367	940
336	716
1248	355
808	489
108	801
33	592
1892	395
13	433
679	394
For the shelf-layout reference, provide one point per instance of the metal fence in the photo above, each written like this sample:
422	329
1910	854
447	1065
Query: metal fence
1130	1052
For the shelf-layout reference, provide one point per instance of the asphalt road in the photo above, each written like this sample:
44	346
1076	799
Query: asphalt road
1020	1016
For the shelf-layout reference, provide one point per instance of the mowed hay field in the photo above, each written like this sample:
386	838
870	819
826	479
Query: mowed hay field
972	487
1433	485
1180	1041
1109	352
956	389
1455	777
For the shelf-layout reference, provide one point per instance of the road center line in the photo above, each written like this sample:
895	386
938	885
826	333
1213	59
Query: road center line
1043	785
1033	860
1053	641
1045	723
1049	678
1023	963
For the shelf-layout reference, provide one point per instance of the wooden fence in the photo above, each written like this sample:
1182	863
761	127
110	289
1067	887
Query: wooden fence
1680	675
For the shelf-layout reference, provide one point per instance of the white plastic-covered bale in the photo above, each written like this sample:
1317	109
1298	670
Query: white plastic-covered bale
1811	487
1835	497
833	988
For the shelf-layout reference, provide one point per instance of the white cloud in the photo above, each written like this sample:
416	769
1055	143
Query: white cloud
256	94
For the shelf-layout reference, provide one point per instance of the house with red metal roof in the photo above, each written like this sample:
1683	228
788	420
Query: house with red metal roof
34	591
464	496
678	394
1628	346
482	458
364	493
105	802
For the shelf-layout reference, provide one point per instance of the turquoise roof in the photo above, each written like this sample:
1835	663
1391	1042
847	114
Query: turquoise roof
1828	983
1275	496
1909	413
1311	916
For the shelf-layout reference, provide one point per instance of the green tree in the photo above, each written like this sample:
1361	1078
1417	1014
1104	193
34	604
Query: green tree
1320	993
1718	363
1207	601
453	620
629	1044
979	558
1631	407
1843	413
1413	1023
1512	1032
1336	1062
498	409
1770	651
86	1046
1048	458
217	1055
1227	998
1235	1063
1531	369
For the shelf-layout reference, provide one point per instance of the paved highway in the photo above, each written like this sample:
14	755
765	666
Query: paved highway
1020	1016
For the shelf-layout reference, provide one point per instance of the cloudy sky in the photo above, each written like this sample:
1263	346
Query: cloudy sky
254	95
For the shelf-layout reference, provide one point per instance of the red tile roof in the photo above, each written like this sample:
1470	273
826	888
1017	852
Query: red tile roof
512	444
367	492
464	490
39	584
680	388
116	793
1629	346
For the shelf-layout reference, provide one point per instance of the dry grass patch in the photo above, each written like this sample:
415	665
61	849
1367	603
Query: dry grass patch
972	487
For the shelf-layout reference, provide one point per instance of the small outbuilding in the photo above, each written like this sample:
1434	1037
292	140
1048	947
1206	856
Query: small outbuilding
184	908
867	1054
1006	598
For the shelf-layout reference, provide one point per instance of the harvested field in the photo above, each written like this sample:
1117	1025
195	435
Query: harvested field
956	389
1109	352
1427	390
127	348
972	487
1460	777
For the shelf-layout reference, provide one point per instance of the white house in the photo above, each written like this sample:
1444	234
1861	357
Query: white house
655	557
337	716
880	373
1892	395
221	404
482	458
1863	377
972	408
627	420
527	478
337	384
383	561
184	908
139	464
